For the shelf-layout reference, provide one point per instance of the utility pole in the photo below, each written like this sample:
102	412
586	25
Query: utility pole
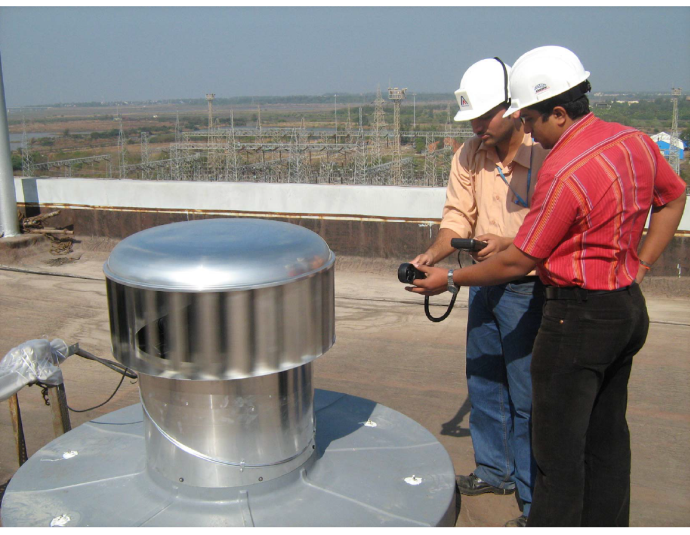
335	112
414	111
9	223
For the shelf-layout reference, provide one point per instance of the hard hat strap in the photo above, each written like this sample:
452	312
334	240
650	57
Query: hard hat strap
505	79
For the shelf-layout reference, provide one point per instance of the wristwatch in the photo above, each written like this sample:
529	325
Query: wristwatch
452	288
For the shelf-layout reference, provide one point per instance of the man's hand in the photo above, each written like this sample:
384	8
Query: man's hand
424	259
641	272
436	281
495	244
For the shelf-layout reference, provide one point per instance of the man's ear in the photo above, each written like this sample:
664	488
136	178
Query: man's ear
560	115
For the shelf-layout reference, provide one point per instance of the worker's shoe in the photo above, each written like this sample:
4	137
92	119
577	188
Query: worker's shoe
472	485
519	522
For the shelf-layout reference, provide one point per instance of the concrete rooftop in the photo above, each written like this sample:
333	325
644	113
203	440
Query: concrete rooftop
386	351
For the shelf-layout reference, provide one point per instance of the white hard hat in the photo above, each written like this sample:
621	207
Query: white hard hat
483	87
543	73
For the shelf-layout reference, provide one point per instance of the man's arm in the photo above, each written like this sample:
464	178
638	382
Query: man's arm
439	249
662	226
503	267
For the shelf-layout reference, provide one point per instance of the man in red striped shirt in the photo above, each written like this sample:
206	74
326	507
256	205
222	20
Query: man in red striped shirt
593	194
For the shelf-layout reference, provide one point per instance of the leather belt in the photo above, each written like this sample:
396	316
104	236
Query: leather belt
577	293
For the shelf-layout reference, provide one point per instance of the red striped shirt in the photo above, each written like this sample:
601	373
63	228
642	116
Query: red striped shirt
593	194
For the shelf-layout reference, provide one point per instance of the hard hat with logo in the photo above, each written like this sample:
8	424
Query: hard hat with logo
483	87
543	73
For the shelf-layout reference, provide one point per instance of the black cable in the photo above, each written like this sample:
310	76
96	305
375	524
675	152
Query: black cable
450	306
115	366
106	401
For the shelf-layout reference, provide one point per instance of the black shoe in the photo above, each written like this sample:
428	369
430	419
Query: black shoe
519	522
471	486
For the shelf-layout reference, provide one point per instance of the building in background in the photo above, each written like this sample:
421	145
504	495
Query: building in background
663	141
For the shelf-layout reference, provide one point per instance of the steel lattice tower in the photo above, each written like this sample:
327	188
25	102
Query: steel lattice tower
673	150
122	149
209	98
397	96
27	160
360	168
379	123
145	171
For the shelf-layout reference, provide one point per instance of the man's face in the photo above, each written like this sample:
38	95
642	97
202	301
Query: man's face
491	127
543	131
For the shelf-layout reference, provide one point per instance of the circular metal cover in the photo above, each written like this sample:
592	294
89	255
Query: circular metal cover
373	467
217	254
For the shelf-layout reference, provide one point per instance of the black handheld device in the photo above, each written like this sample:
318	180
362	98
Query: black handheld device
470	245
407	273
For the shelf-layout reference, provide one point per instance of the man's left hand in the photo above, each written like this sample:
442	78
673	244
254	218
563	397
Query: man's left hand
436	281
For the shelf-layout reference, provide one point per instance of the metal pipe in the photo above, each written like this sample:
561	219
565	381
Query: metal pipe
9	224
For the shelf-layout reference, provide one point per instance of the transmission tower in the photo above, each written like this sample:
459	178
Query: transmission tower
232	150
209	98
145	170
673	150
122	149
348	125
27	160
379	123
360	171
397	96
296	167
175	170
430	162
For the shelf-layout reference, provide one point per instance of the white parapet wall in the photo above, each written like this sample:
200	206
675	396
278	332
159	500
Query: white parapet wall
390	203
319	200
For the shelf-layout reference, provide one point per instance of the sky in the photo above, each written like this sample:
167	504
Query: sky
81	54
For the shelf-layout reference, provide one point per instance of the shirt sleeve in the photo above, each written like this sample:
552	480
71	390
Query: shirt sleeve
460	210
553	213
668	186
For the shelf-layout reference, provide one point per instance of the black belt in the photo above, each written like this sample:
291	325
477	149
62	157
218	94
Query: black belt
575	292
524	280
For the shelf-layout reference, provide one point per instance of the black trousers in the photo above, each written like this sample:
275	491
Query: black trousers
580	369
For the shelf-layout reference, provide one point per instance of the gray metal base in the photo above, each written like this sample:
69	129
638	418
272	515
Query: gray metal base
373	467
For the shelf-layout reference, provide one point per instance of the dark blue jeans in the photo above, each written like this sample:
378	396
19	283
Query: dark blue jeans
502	324
580	369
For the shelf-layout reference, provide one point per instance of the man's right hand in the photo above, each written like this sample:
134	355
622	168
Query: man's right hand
424	259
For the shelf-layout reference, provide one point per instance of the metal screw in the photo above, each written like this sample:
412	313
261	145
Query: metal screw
181	480
261	479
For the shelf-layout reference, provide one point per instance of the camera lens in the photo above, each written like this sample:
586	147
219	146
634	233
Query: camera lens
407	273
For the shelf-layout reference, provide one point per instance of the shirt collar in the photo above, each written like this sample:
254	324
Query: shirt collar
574	130
522	156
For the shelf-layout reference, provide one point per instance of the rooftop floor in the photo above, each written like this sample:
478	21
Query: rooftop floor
386	351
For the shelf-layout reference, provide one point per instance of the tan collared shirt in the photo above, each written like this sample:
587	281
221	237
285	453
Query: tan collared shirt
478	201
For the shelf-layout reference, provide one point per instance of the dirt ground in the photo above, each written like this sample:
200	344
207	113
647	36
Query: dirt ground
386	351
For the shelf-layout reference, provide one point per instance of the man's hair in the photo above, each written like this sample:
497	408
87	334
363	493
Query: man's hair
574	105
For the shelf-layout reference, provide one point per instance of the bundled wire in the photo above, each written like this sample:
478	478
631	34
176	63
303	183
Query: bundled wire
115	366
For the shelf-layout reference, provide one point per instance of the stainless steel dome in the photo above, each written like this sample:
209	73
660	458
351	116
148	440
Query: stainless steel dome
217	254
220	299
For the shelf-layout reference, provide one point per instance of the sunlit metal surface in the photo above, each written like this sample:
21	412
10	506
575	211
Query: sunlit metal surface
267	319
228	433
217	254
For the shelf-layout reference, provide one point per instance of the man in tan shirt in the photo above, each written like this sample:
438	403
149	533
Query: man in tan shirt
491	183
